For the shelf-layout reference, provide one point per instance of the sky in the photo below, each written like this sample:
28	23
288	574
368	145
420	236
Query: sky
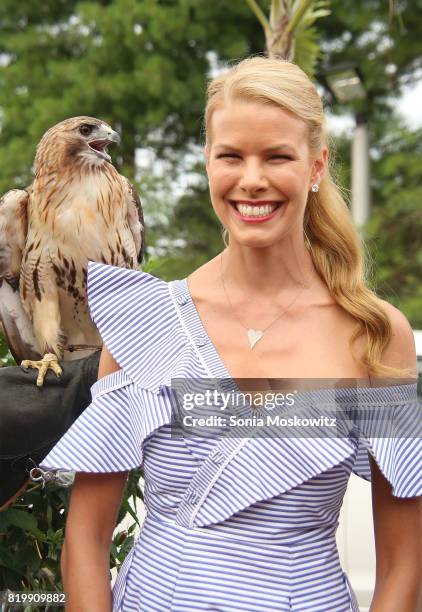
410	105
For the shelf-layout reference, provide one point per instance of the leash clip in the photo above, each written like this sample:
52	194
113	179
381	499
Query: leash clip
62	478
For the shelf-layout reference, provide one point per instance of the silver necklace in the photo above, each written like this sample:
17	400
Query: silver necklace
254	335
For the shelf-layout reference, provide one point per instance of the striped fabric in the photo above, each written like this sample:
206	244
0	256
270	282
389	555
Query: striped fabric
233	523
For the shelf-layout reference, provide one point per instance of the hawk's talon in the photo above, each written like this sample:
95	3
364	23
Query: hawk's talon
48	362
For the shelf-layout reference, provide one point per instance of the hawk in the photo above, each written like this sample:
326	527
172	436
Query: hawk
78	208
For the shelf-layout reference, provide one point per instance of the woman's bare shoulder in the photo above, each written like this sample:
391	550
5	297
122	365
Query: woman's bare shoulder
401	349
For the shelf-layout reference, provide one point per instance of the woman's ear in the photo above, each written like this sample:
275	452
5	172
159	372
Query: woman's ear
320	164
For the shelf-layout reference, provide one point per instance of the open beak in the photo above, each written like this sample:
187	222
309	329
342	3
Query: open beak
103	137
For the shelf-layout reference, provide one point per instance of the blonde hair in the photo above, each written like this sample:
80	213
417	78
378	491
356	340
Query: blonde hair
335	245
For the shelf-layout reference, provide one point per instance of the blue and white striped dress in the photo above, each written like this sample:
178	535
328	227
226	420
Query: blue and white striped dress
233	524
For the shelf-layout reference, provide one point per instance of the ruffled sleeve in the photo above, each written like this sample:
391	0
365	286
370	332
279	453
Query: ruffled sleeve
108	435
391	434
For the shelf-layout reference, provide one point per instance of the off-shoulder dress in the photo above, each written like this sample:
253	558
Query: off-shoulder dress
233	523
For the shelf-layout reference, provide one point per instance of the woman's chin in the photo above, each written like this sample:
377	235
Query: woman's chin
253	239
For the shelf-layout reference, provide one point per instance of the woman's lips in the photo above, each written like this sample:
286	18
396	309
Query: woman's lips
261	219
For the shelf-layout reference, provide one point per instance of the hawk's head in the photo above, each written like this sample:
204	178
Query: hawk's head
79	141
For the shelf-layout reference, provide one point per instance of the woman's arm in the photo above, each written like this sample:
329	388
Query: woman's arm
397	521
85	559
398	537
93	509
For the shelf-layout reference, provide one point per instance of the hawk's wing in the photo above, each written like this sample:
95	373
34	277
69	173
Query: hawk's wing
17	326
135	219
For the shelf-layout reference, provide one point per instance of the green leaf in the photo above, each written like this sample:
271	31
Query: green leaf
19	518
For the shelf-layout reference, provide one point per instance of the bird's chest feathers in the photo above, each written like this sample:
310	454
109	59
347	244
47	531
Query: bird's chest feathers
92	203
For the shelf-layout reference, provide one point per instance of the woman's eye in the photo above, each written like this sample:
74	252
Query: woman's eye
237	156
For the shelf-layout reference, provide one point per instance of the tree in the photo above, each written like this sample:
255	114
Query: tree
383	40
289	31
141	66
395	228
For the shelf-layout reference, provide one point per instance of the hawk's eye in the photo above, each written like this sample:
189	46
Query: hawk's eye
85	129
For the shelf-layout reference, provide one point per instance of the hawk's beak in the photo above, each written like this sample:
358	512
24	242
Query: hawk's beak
103	137
106	134
113	136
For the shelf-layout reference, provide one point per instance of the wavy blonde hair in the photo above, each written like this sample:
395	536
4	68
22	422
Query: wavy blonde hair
334	242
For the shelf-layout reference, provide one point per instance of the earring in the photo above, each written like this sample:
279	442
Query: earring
315	187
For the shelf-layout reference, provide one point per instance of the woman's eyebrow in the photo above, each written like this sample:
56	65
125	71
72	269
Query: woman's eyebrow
268	150
225	146
280	146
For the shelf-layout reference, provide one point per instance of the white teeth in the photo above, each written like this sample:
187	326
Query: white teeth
255	211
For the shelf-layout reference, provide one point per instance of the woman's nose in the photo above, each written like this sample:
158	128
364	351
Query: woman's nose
252	177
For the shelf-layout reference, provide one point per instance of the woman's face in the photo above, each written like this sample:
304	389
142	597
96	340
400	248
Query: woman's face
260	171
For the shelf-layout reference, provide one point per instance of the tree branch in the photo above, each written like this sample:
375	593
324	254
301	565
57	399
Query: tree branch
275	13
255	8
297	17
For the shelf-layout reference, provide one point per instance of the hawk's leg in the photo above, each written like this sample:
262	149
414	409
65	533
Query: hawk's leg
48	362
46	321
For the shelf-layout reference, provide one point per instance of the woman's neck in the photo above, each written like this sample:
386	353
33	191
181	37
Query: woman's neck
267	273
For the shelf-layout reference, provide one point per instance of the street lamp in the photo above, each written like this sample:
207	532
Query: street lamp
345	83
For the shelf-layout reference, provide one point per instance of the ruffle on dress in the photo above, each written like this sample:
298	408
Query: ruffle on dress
242	471
109	434
138	323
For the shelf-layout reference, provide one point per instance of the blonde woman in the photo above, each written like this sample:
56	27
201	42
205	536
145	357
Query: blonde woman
237	522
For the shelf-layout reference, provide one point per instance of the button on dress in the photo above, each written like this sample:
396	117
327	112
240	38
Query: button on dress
233	523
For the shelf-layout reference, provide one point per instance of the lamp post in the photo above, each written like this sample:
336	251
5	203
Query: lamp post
345	83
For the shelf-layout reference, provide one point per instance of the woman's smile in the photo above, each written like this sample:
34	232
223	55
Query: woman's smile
256	211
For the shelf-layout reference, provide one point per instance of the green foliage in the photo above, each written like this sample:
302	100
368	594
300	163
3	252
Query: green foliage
141	66
194	231
32	533
5	356
307	47
395	229
359	31
289	30
382	44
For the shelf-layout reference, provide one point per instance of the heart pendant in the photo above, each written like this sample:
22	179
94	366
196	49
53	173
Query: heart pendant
254	335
